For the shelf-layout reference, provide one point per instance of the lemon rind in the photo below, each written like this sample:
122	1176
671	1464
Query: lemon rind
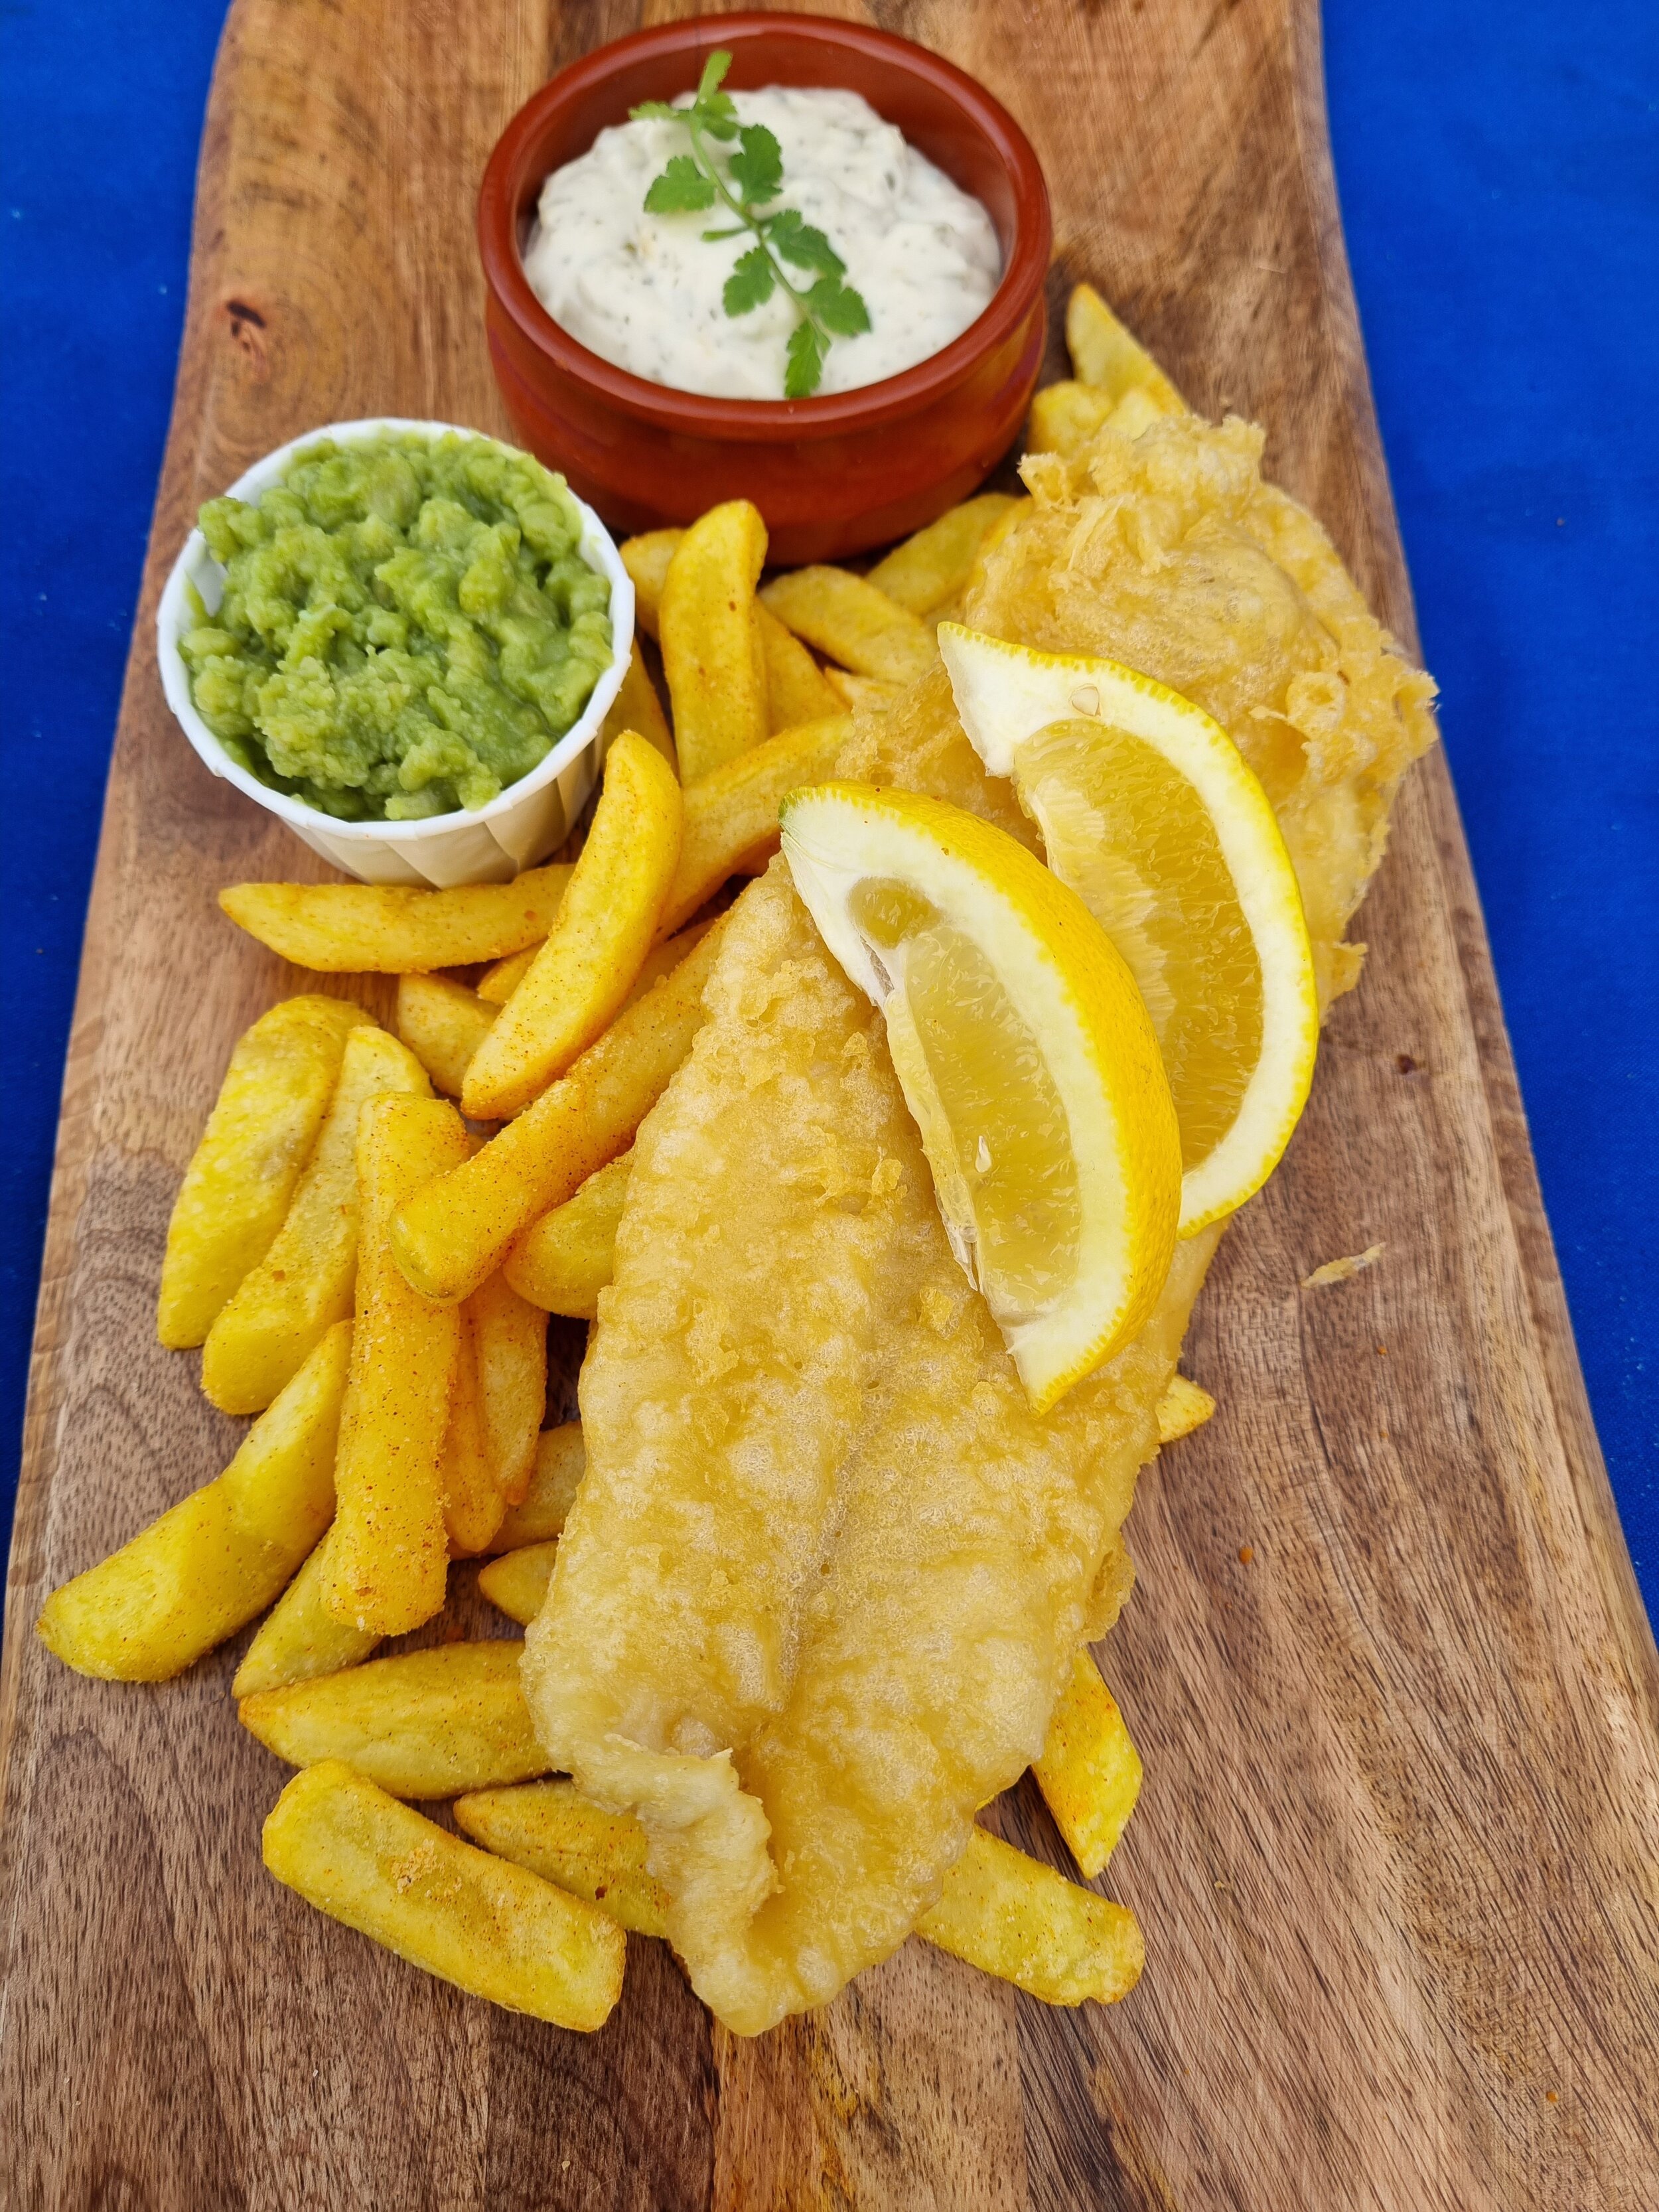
1036	690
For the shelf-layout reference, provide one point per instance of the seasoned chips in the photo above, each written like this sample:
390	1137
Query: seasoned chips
384	929
220	1556
711	652
388	1551
490	1927
604	929
242	1174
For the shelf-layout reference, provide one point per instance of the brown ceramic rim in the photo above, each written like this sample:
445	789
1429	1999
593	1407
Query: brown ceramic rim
766	421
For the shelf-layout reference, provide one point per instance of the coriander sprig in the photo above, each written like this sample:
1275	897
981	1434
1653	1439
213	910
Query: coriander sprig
827	308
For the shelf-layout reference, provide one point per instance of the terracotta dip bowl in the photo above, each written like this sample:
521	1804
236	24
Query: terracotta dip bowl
834	474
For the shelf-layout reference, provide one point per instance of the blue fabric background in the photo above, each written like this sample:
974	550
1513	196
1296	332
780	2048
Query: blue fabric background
1498	162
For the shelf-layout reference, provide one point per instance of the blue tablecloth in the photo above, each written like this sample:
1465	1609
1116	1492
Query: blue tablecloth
1498	162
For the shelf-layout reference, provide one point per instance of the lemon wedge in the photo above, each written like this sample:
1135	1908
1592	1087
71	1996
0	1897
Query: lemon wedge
1026	1058
1149	812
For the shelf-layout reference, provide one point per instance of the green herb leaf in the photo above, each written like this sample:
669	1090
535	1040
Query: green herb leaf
757	166
839	309
805	371
713	108
658	111
750	283
799	241
682	189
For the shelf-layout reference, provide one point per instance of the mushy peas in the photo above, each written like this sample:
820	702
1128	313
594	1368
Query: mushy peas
407	626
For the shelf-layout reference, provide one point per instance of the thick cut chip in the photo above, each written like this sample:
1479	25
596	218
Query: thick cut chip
306	1281
1019	1920
866	694
500	982
1024	1053
564	1261
541	1514
931	567
242	1176
552	1829
848	620
300	1638
637	708
796	689
712	651
1105	354
382	929
1183	1408
489	1926
450	1237
443	1024
388	1551
1149	812
1090	1771
509	1339
731	816
647	559
423	1724
207	1567
516	1583
605	927
473	1503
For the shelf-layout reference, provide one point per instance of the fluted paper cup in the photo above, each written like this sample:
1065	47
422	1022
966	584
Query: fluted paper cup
488	845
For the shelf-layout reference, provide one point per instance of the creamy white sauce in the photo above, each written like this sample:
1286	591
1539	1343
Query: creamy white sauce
643	291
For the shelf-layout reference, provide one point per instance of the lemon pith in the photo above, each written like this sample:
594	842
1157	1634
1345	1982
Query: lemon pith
1025	1056
1149	812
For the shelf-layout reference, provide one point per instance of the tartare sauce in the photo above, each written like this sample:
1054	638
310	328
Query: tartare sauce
643	291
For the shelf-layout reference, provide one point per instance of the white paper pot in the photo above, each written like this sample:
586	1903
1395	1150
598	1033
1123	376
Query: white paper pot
529	819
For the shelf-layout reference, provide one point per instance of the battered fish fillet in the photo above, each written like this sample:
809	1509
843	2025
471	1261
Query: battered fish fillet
827	1574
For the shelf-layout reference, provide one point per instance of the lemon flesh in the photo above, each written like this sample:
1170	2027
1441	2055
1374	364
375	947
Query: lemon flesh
1149	812
1026	1058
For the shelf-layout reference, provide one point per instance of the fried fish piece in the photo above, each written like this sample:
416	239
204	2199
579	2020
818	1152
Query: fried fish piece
827	1574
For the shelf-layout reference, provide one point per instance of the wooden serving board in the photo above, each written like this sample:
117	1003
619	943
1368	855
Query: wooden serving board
1397	1857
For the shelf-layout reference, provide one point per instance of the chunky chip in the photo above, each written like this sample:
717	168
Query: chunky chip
1105	354
493	1928
931	568
447	1239
219	1557
516	1583
473	1503
731	816
443	1023
561	1462
605	927
384	929
563	1261
306	1281
388	1551
845	617
555	1831
300	1638
1090	1771
422	1724
647	559
1019	1920
509	1342
796	689
867	694
241	1177
712	651
637	708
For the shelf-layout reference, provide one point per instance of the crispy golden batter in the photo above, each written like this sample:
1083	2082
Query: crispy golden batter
827	1574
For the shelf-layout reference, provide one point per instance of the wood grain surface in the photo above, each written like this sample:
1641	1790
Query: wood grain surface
1397	1857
